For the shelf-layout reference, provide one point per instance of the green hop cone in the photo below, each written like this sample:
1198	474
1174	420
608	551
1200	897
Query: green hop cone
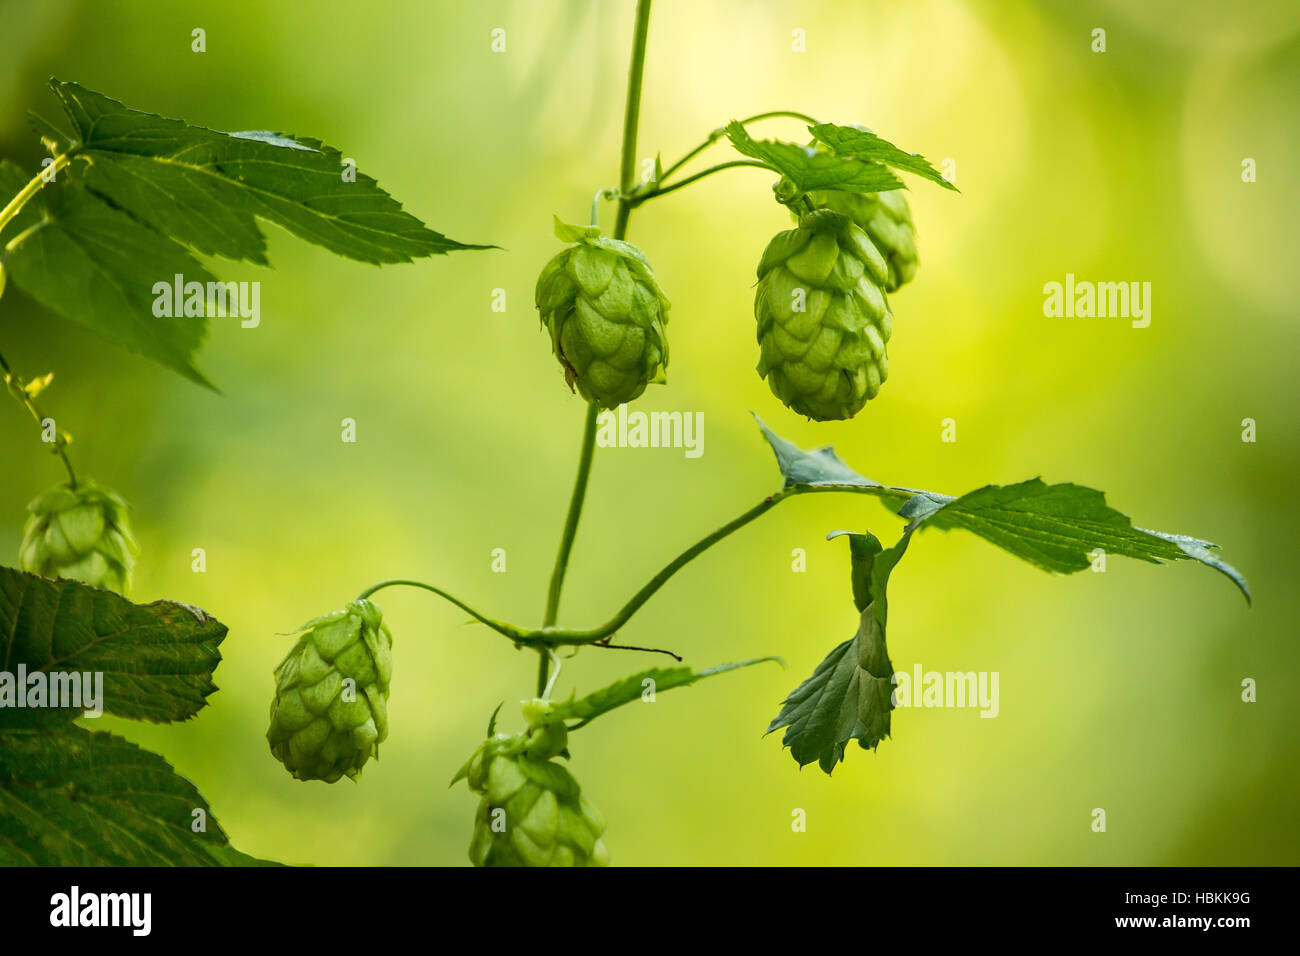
330	711
80	533
532	811
886	218
606	314
823	319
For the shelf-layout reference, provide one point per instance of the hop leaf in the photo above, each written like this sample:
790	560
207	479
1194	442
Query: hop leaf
823	319
330	711
606	314
82	533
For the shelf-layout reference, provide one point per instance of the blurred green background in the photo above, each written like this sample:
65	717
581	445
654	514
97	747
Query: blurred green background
1118	690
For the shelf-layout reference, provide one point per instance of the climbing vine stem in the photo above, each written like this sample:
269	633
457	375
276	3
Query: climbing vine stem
627	171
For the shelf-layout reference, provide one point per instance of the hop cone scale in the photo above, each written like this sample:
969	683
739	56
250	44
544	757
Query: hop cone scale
532	811
605	314
823	319
886	218
81	533
330	711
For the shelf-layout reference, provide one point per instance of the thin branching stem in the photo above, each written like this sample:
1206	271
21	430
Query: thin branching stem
695	177
501	627
721	131
18	389
46	175
555	635
627	172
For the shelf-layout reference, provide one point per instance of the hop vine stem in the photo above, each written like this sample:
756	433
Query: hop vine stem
17	388
721	132
627	171
548	636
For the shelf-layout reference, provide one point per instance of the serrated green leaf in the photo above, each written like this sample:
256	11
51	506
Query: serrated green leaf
223	854
75	798
629	689
821	466
54	139
863	549
1053	527
811	168
156	659
857	143
850	694
95	264
207	188
1057	527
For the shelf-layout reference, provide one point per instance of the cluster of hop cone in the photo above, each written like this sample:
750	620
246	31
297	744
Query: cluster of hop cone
330	714
821	306
823	324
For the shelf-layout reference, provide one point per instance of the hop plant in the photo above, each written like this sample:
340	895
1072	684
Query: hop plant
606	314
532	811
330	711
823	319
80	532
886	218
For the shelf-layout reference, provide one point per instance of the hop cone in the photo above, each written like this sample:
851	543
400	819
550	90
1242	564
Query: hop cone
606	314
823	319
533	812
886	218
321	727
80	533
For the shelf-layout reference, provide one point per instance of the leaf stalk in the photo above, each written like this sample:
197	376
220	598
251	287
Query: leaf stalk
31	189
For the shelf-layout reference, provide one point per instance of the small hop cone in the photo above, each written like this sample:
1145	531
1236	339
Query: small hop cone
823	318
532	811
81	533
330	711
886	218
605	314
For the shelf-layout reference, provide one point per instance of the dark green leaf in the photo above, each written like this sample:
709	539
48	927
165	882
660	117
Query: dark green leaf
863	549
629	689
850	694
227	855
76	798
157	659
853	142
1057	527
818	467
811	168
96	265
206	188
1054	527
54	138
